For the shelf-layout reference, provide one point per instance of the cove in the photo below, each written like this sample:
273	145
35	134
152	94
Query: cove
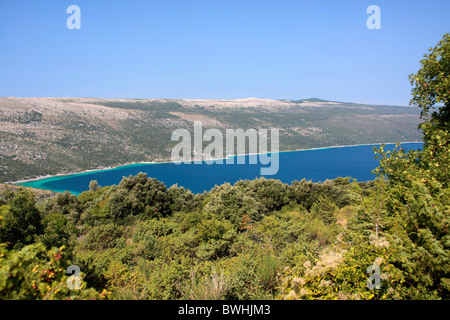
314	164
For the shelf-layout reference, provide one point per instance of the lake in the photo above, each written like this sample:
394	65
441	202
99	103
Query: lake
315	164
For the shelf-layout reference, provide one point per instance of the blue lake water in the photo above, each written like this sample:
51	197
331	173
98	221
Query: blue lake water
316	165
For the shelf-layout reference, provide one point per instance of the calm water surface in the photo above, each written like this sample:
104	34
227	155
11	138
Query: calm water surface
316	165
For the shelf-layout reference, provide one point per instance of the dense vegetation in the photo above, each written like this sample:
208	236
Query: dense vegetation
259	239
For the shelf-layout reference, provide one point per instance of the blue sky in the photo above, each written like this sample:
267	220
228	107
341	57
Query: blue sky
217	49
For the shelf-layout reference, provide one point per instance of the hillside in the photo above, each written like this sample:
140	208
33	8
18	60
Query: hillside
46	136
40	194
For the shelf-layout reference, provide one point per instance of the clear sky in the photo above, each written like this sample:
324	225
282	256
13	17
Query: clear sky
217	49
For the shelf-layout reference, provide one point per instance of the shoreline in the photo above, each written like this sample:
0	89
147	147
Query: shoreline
352	145
165	162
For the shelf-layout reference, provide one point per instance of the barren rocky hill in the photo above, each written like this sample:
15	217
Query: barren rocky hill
46	136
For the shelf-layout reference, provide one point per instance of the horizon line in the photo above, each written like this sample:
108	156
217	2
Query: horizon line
302	100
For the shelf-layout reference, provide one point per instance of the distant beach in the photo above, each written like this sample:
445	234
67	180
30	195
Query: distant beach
214	159
316	164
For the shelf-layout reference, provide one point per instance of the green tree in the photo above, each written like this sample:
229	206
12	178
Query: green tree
324	209
182	199
58	231
431	87
303	192
271	193
402	225
64	203
21	221
152	197
103	237
122	204
418	194
232	204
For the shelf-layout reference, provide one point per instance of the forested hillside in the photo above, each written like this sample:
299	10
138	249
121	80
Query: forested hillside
259	239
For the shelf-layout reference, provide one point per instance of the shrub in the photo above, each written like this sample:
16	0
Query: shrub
21	220
37	273
103	237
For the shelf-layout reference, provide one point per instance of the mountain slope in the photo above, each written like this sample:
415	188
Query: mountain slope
46	136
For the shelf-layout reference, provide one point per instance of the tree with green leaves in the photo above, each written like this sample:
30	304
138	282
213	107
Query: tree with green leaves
21	222
402	225
416	204
431	86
